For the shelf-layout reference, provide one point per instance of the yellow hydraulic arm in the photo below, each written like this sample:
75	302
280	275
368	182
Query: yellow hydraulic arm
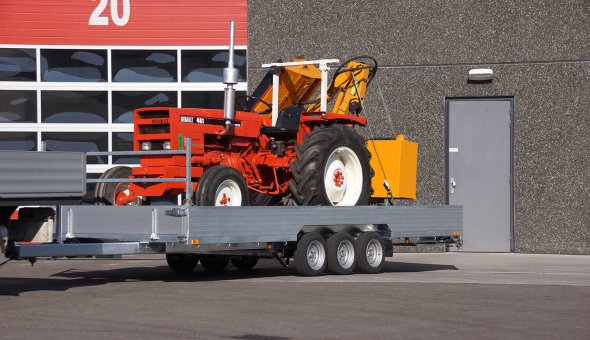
298	84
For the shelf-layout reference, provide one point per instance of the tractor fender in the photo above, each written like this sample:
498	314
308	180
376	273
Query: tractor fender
309	120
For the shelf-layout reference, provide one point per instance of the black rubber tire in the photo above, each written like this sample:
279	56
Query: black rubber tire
182	263
263	200
244	263
341	239
71	241
99	187
307	185
106	193
373	262
302	265
214	263
212	179
5	213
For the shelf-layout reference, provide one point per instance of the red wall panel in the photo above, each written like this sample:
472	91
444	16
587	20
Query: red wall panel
150	22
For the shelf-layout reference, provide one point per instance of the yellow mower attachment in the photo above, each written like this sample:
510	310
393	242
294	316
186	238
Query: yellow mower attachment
395	164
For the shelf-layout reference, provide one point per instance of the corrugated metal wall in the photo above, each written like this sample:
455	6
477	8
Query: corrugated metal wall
137	22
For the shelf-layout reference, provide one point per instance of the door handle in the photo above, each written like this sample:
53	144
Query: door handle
453	185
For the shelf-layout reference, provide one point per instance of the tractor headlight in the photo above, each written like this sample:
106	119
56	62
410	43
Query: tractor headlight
166	145
146	146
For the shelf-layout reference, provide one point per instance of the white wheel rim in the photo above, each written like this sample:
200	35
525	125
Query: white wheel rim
345	254
374	253
228	193
316	255
343	177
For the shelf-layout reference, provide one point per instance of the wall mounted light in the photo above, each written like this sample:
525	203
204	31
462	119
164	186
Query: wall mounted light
481	74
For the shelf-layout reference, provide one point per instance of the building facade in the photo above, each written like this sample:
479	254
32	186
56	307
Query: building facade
513	149
71	73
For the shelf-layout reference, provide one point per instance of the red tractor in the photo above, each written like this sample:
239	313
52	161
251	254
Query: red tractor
281	146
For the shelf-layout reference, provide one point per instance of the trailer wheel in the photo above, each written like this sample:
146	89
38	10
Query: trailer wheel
244	263
331	168
370	253
116	193
221	185
310	255
214	263
341	253
182	263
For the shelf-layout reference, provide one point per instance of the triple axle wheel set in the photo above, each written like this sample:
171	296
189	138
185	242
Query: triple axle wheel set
340	253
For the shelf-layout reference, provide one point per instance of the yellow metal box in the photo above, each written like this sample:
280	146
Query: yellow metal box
395	162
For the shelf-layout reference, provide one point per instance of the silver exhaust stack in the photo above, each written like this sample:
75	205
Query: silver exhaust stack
230	78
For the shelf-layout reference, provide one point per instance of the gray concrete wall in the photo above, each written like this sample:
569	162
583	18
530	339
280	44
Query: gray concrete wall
540	55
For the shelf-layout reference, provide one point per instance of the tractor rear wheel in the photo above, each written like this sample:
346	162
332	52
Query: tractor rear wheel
115	193
331	168
221	185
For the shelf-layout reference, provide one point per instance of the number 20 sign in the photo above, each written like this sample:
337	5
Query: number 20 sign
98	19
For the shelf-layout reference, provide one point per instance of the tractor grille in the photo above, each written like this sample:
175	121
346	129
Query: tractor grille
154	129
154	114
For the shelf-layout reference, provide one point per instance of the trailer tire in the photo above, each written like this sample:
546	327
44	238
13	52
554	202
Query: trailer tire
310	255
331	168
341	253
244	263
370	253
182	263
111	193
221	185
214	263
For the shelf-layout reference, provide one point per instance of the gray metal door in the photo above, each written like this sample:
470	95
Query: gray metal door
479	170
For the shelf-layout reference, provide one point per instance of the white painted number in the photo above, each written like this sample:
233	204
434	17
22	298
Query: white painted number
96	18
123	20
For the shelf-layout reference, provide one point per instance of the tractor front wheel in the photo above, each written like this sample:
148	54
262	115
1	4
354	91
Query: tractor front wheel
221	185
331	168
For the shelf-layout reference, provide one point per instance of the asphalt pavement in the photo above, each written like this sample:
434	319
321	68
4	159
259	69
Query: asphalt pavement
419	296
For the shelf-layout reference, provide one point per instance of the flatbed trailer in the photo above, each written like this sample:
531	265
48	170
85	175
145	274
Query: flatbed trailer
212	235
238	232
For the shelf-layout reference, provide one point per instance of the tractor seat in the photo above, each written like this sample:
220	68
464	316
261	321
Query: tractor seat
287	124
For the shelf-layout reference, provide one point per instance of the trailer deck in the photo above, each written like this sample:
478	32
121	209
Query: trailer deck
112	230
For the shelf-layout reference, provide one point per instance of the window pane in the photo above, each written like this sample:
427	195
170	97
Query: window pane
74	65
144	66
123	141
22	141
125	102
74	106
18	64
18	106
204	99
79	142
207	66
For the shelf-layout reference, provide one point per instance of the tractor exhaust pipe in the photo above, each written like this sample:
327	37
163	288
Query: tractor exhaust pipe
230	78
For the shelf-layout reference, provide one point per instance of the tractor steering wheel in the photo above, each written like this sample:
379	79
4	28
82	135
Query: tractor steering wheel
243	103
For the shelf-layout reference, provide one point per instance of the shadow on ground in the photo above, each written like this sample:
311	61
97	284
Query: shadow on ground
72	278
